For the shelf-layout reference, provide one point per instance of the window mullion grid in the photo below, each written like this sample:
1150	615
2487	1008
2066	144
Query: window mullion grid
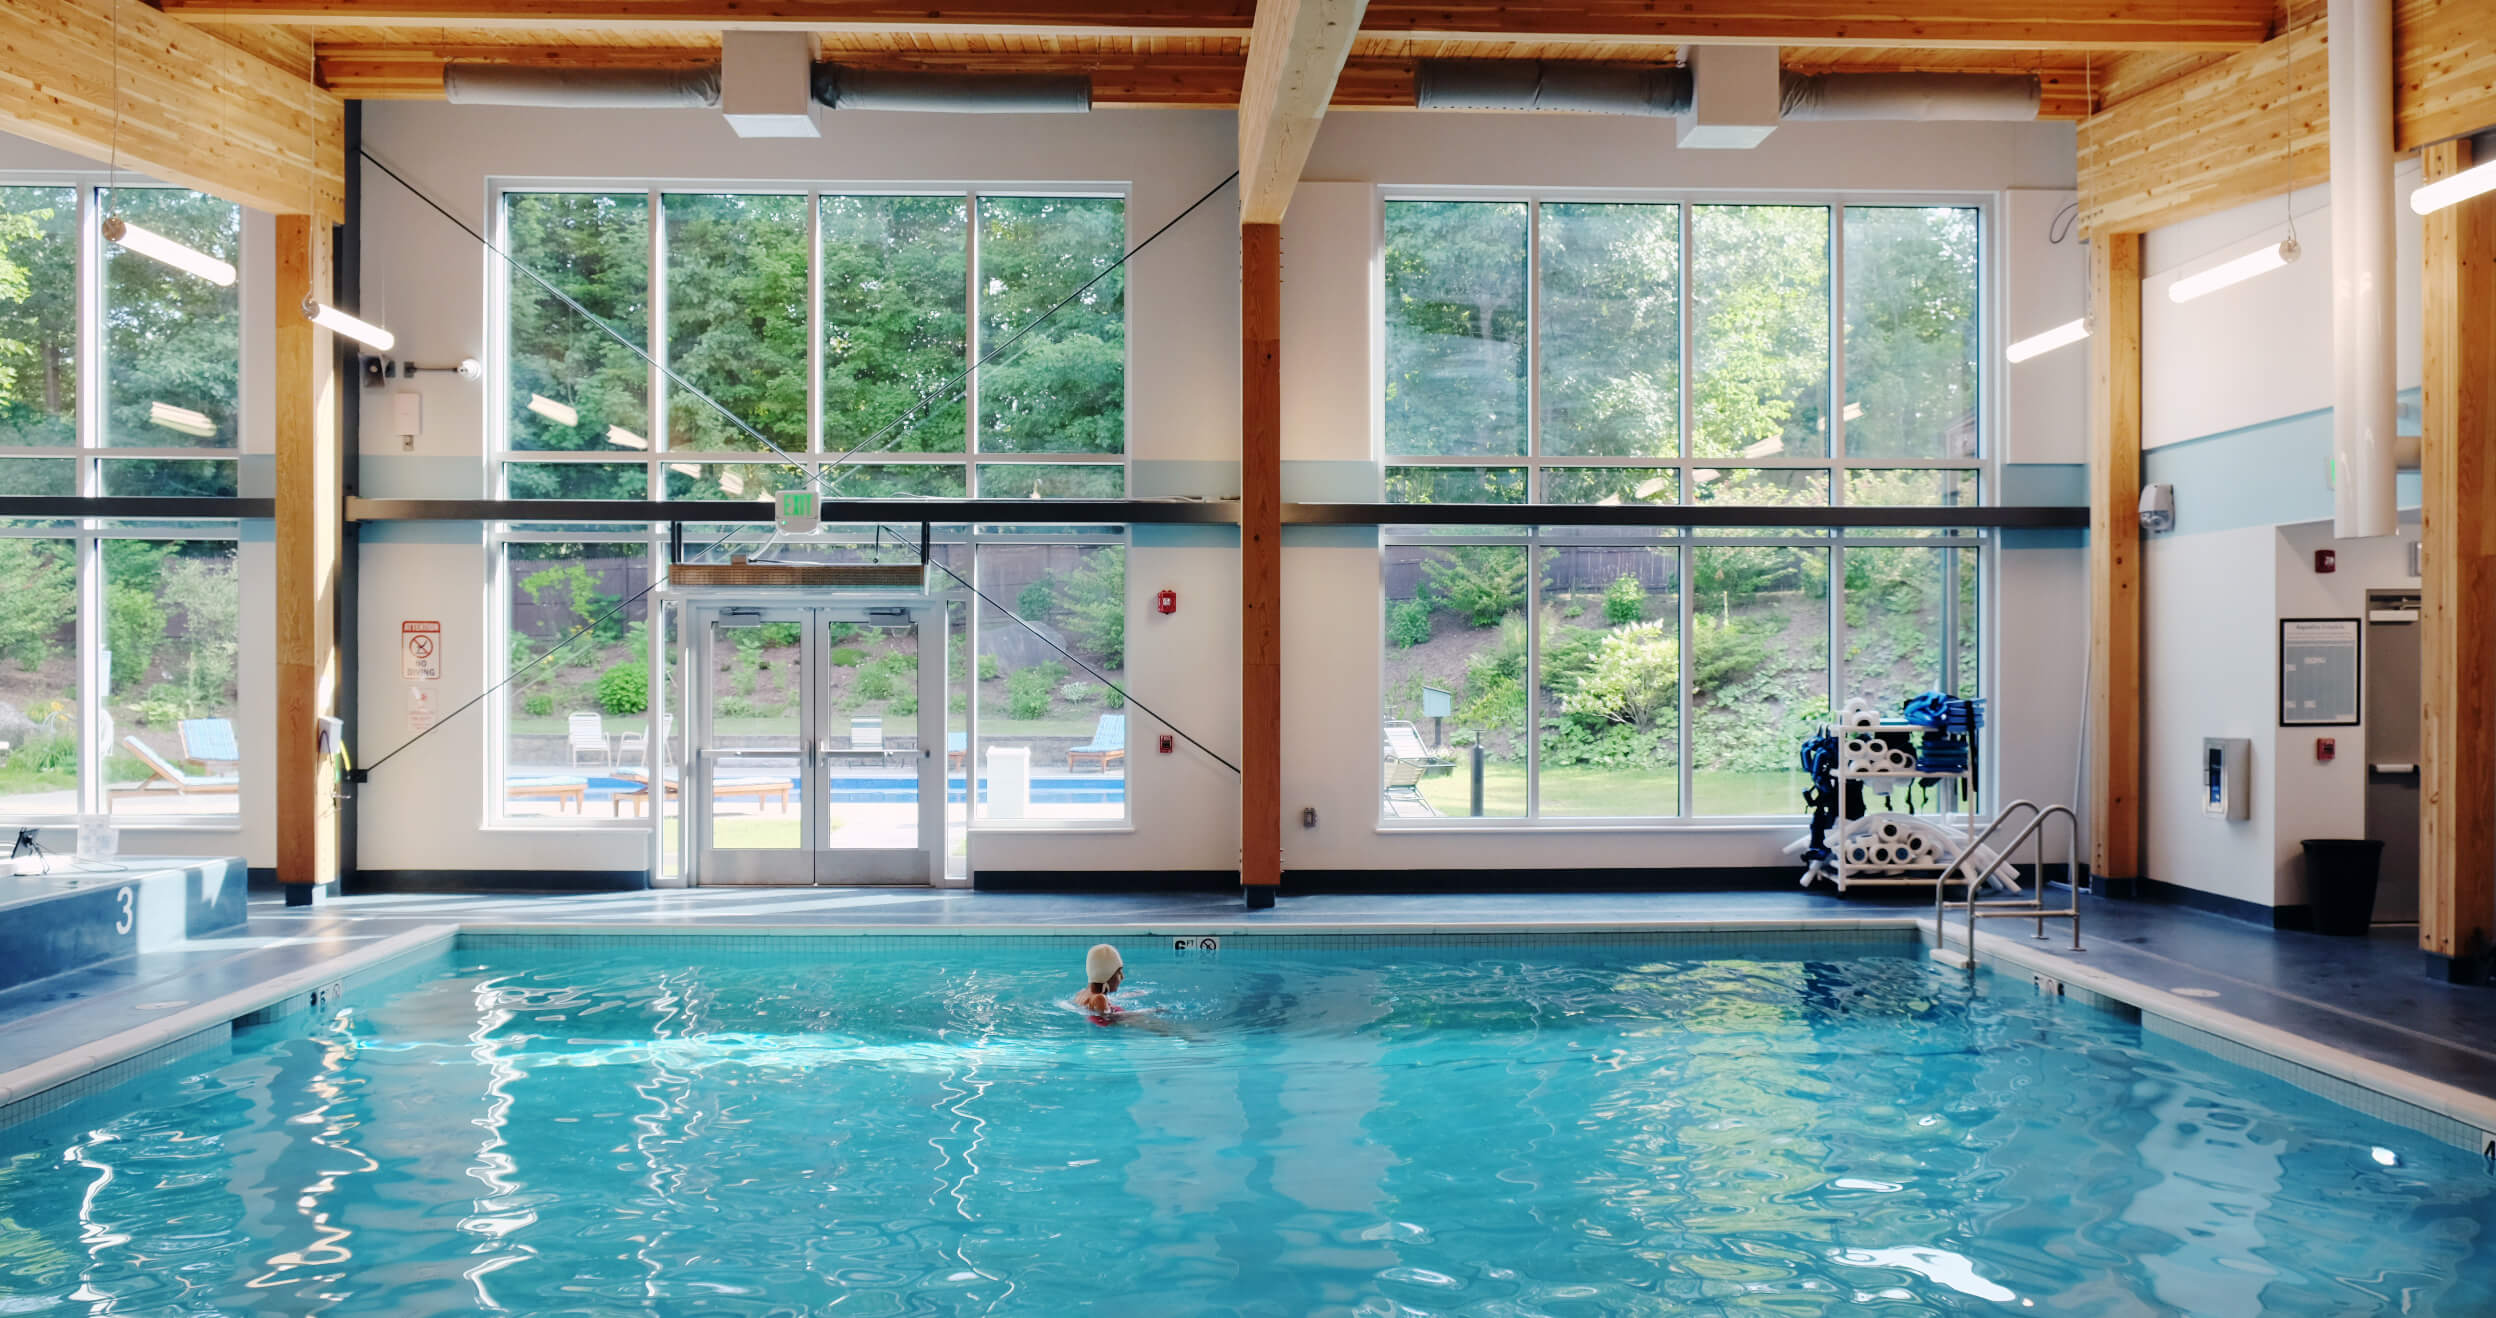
87	550
815	362
1533	674
970	352
1685	750
661	428
1533	360
1839	455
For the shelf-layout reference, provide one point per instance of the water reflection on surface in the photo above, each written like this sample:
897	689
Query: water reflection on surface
1405	1130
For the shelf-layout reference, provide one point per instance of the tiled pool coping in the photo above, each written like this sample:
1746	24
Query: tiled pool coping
2440	1111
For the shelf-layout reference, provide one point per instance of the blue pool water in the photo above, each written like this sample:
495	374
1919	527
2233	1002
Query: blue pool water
1046	789
1400	1130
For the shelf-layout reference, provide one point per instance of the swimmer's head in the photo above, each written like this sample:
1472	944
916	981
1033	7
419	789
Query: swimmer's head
1103	967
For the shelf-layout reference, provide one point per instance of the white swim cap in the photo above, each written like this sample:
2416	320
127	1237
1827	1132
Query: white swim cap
1100	963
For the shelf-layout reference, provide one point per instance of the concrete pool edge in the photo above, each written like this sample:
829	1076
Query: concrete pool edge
2447	1113
49	1083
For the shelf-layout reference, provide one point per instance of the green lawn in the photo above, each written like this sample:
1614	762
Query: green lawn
1614	793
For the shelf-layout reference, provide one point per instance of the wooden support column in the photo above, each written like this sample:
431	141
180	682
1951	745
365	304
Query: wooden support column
2115	555
2457	625
310	521
1261	562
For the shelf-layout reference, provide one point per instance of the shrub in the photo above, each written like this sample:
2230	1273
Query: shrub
1408	623
874	683
777	635
625	688
1057	671
41	598
1567	653
1027	694
539	704
1036	601
1722	653
840	632
905	705
1114	698
958	703
1481	583
987	668
1093	601
1075	693
134	625
577	590
1624	600
203	589
1636	675
847	656
735	707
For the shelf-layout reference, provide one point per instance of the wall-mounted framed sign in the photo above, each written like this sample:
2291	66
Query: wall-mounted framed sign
2319	662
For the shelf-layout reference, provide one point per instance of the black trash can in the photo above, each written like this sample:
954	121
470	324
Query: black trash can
2340	878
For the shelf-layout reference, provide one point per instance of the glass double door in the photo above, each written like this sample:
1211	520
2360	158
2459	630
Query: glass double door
815	731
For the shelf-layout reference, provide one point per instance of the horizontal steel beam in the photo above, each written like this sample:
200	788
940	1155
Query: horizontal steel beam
1052	512
1704	516
55	507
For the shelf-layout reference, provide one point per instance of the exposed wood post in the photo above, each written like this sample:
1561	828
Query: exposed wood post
2115	554
1261	561
2457	625
310	517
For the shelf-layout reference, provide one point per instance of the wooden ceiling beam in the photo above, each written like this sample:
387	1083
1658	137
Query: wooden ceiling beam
170	101
1891	24
1295	53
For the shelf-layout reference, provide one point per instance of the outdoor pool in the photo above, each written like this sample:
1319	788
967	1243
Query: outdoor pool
1372	1125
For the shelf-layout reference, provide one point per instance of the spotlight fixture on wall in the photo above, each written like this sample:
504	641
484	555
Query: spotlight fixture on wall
2037	345
2471	182
2227	274
157	247
354	327
561	414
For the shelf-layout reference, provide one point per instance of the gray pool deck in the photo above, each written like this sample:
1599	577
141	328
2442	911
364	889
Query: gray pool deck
2366	997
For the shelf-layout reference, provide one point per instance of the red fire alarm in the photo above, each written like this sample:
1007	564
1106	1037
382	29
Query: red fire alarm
2324	749
2326	560
1167	601
1166	746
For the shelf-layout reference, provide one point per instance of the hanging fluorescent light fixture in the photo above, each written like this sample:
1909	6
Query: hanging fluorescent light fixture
622	438
181	420
559	413
354	327
2474	181
2227	274
157	247
2037	345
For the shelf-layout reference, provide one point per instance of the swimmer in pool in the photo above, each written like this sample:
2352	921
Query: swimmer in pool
1103	972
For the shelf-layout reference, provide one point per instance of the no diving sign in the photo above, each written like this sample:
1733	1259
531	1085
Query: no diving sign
420	651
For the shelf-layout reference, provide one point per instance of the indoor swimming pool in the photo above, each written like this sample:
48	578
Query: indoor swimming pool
1361	1125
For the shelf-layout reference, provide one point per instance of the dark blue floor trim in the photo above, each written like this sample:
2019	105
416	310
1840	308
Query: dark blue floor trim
1106	881
497	881
2234	908
1724	878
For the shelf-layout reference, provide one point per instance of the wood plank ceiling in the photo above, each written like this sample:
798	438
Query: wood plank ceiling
1194	52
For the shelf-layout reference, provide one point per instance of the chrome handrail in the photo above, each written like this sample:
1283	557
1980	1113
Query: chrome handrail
2034	906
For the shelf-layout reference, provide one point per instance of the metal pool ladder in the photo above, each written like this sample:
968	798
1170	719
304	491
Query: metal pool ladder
2031	906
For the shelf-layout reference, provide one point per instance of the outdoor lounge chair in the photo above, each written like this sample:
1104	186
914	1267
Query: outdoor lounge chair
209	742
1408	761
587	735
957	750
176	782
1108	745
764	789
561	788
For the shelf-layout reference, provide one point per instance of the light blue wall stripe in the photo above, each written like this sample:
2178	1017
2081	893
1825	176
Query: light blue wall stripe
2045	485
1333	482
421	533
1330	537
256	531
255	475
2273	473
2051	537
1175	478
417	476
1185	535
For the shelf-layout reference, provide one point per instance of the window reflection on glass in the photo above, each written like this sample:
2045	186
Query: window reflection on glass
1912	289
1062	387
1053	741
172	633
578	480
39	677
172	341
576	724
1455	484
1759	318
39	320
1759	673
1611	330
1035	480
572	385
1609	682
1909	487
171	477
894	272
1455	642
736	320
1611	485
1456	328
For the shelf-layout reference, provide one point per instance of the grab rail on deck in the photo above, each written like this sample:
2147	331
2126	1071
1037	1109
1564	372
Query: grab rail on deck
2033	907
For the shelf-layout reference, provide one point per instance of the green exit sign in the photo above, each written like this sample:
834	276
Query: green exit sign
797	511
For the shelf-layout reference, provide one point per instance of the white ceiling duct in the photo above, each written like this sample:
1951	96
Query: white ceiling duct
1609	89
2364	404
835	87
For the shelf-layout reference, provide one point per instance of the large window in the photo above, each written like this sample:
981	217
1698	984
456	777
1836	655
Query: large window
837	328
1698	353
119	641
